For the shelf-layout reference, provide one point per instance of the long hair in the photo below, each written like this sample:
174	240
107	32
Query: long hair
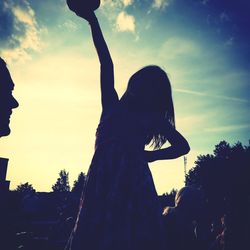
149	90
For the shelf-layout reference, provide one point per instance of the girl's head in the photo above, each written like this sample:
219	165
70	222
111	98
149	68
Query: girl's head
149	94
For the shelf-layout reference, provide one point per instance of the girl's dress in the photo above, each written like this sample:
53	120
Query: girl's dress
119	207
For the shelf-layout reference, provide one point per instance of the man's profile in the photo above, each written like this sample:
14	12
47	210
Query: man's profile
7	100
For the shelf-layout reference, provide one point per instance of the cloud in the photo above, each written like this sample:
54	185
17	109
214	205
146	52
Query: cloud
21	34
115	12
230	41
117	15
117	3
222	97
69	25
24	16
161	4
111	3
176	46
228	128
204	2
191	123
125	22
127	2
224	17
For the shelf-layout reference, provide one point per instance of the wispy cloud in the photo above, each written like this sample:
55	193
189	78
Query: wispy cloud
117	3
222	97
224	17
127	2
228	128
24	16
230	41
125	22
110	3
178	46
24	32
204	2
191	123
161	4
69	25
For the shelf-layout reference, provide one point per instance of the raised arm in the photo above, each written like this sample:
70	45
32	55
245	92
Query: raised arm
108	93
178	147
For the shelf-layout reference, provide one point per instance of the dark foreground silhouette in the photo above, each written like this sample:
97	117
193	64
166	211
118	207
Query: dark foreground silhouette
7	103
208	214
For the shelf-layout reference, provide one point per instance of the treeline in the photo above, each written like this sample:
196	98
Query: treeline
61	185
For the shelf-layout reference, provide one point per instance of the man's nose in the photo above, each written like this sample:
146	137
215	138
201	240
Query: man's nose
15	103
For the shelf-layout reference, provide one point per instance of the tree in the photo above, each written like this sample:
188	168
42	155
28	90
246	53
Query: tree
79	183
25	188
168	199
62	183
224	176
223	173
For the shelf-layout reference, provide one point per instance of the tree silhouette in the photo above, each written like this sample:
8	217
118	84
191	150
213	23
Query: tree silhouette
78	184
223	173
224	176
62	183
25	188
168	199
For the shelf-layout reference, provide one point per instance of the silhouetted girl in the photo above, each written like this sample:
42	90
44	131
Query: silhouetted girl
119	206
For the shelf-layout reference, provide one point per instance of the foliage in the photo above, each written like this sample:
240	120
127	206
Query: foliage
25	188
62	183
224	176
168	199
173	192
79	183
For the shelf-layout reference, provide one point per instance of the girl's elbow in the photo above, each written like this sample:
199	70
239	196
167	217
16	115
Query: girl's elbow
185	148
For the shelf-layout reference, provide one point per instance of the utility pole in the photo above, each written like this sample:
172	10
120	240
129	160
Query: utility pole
185	168
4	184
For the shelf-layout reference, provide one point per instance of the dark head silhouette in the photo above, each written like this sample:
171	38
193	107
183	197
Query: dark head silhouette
7	101
149	93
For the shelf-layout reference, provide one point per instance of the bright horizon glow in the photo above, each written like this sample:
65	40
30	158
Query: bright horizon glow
56	72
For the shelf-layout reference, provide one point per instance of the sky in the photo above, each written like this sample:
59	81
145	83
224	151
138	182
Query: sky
202	44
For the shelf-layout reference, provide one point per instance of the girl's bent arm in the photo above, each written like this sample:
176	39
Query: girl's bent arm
179	146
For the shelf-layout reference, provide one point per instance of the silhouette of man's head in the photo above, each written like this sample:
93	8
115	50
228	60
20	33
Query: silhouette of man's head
7	101
149	93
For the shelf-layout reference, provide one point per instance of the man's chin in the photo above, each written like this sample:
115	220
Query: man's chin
4	131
